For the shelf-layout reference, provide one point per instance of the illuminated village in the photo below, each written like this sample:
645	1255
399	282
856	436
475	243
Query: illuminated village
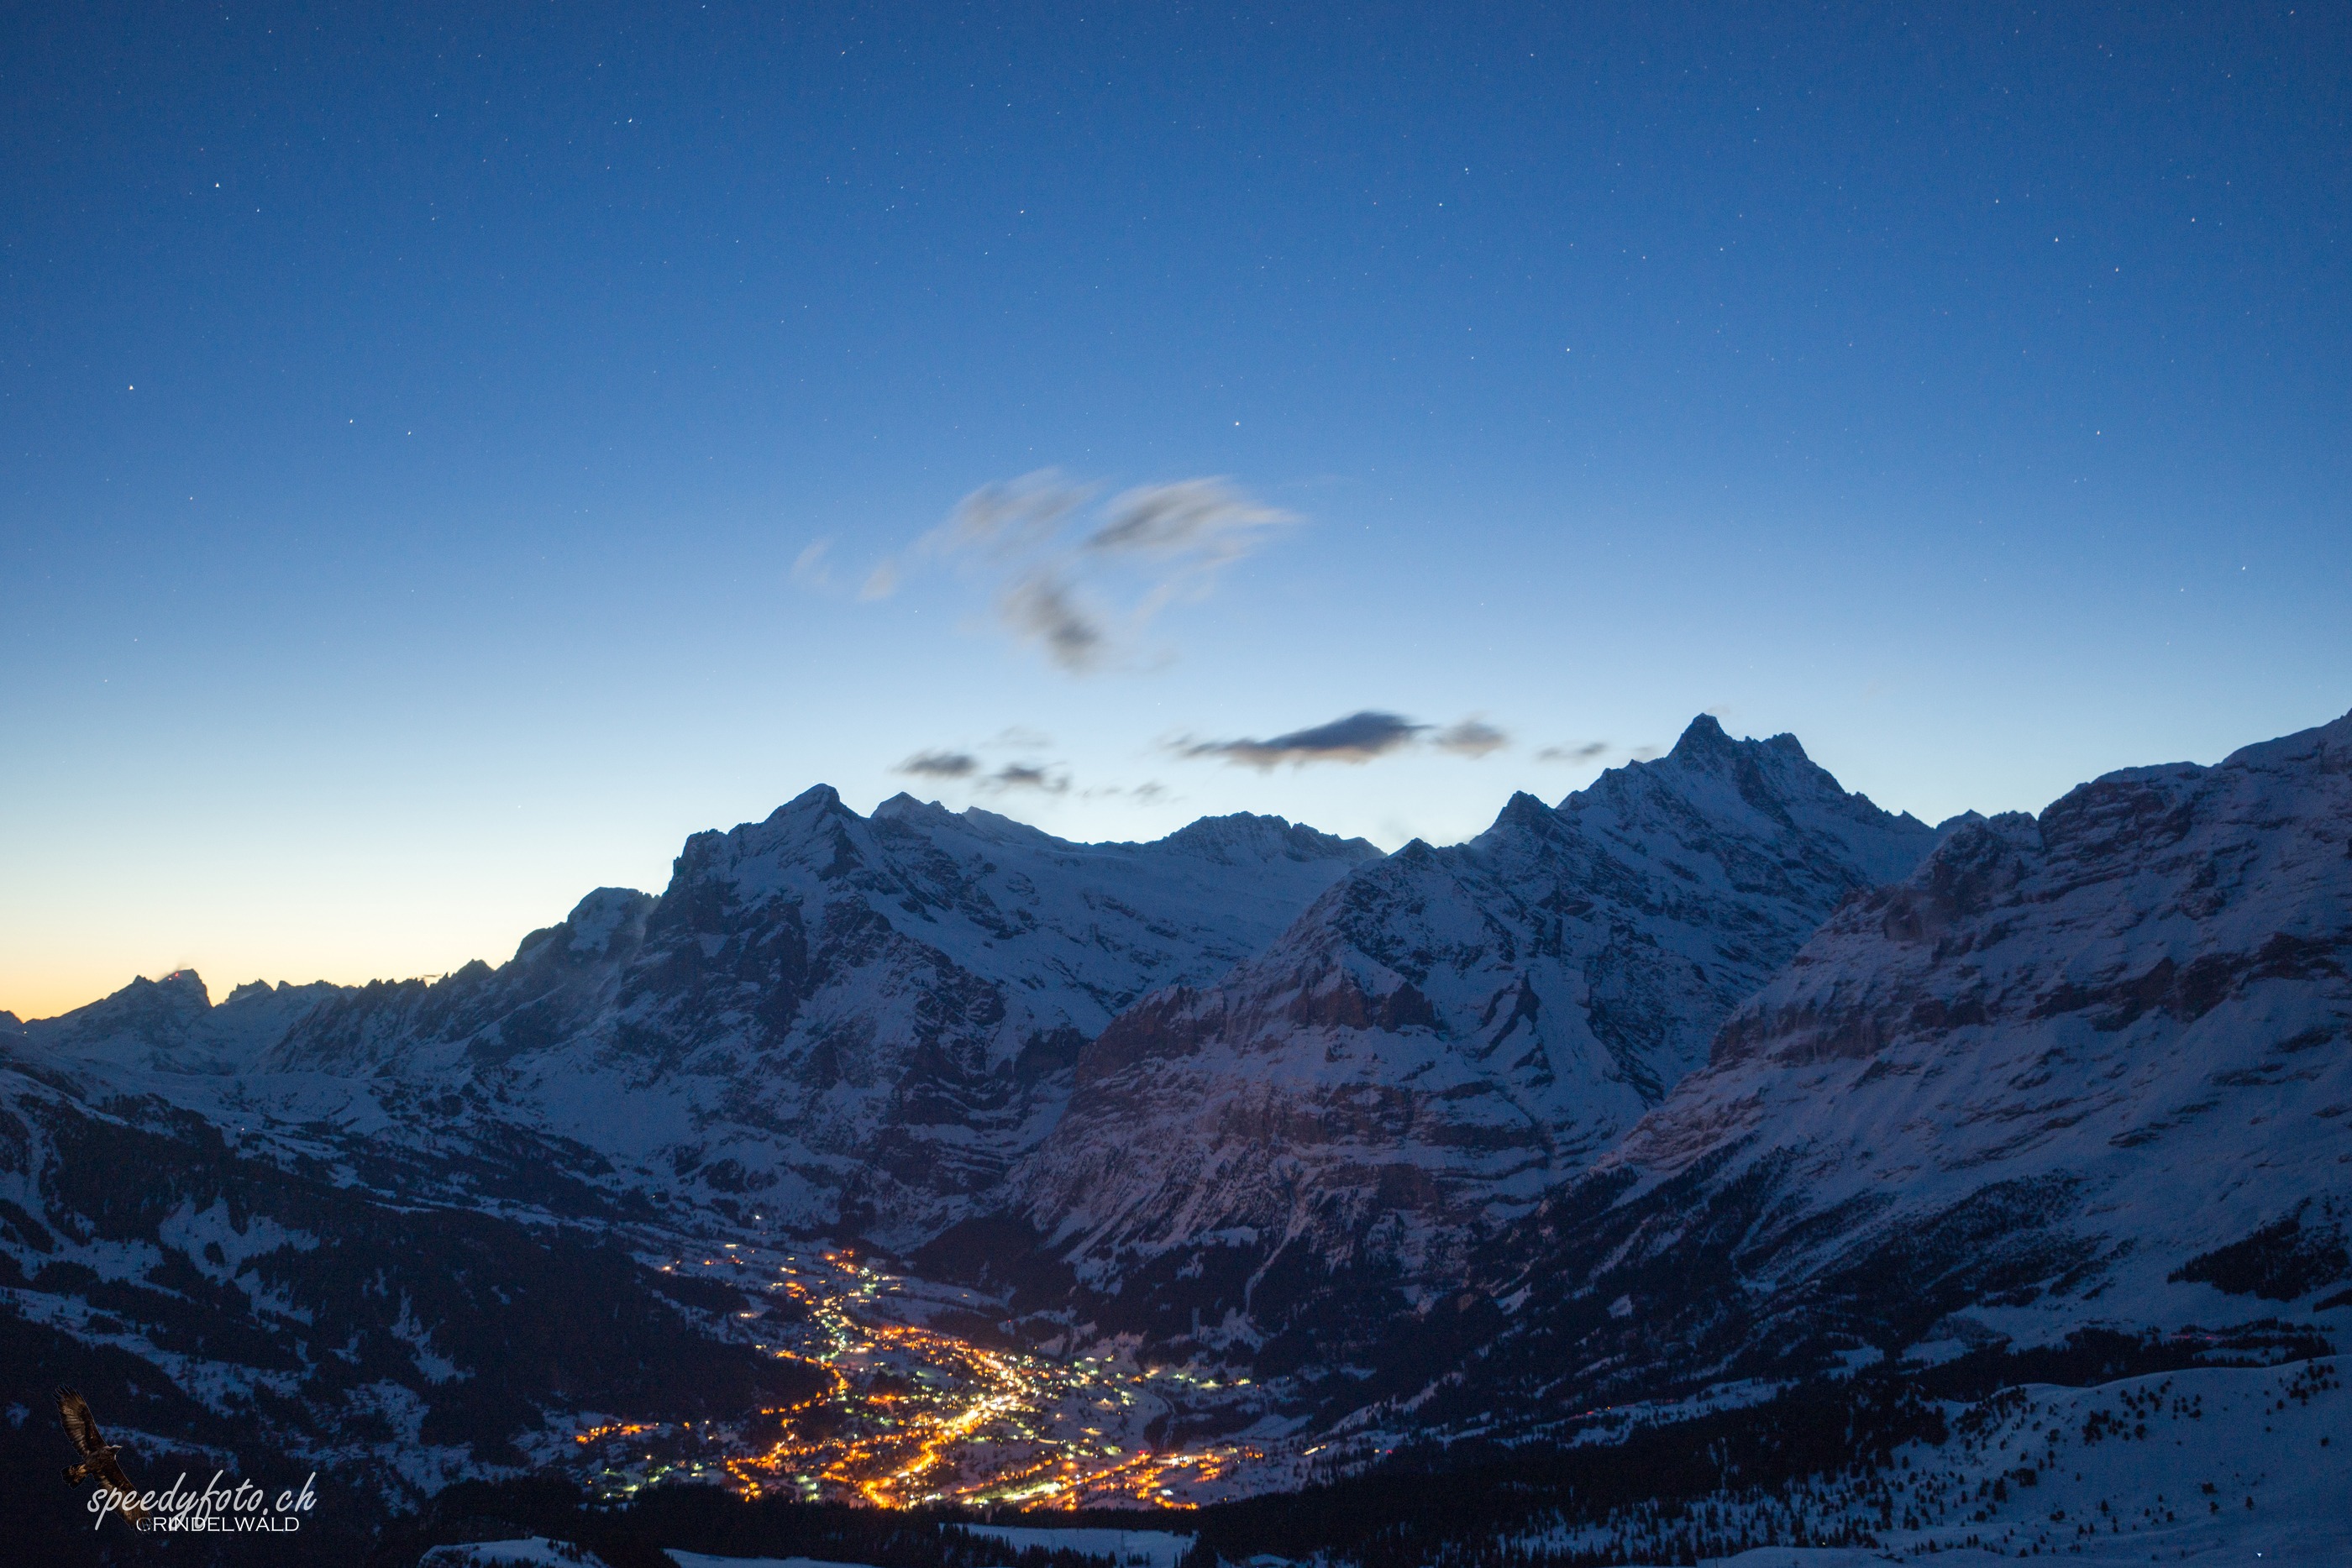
916	1414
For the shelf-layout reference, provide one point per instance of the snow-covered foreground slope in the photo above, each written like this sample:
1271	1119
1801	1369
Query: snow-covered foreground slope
1445	1035
2205	1466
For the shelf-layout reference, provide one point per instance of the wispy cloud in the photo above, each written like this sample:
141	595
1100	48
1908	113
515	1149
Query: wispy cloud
940	765
1078	576
1473	737
811	569
1044	608
1572	751
1358	738
1024	776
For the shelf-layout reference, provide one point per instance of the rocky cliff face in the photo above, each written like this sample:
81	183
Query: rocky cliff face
1445	1035
2088	1071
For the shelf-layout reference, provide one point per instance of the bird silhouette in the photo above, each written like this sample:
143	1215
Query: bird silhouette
98	1461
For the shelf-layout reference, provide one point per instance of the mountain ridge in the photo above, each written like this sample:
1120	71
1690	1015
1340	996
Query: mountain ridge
1712	1077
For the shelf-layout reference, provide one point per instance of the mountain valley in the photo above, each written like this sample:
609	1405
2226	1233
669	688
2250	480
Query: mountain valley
923	1158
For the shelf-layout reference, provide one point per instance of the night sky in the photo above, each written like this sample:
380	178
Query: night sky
454	452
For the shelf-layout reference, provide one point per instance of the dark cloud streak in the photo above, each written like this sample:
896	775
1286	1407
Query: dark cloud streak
940	765
1358	738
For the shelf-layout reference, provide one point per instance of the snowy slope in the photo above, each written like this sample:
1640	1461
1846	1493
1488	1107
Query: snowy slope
2208	1464
1447	1033
2093	1070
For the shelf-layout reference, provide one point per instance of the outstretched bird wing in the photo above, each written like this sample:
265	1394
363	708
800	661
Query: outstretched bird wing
112	1473
99	1460
81	1426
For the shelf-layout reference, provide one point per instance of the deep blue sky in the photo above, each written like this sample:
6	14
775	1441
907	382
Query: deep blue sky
415	418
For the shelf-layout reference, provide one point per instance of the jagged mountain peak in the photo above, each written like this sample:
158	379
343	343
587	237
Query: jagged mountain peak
601	925
1712	789
903	806
1706	758
158	1017
1706	750
1525	813
1704	743
1703	740
816	801
180	983
173	1000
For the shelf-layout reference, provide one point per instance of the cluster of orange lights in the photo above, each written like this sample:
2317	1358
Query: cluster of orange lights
617	1429
910	1415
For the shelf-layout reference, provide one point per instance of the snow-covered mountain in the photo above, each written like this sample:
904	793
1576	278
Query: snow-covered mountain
1712	1081
2085	1072
1444	1036
835	1020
